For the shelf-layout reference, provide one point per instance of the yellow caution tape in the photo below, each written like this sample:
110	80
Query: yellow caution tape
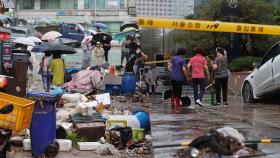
185	143
156	62
265	140
213	26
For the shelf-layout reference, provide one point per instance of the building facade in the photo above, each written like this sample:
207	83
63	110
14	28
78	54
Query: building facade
164	8
111	12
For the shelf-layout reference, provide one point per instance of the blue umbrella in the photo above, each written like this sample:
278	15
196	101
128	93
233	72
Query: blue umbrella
100	25
40	48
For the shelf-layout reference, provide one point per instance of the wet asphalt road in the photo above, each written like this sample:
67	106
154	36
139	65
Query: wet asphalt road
255	121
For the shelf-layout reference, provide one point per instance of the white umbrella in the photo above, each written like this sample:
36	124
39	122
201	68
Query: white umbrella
51	35
35	39
24	41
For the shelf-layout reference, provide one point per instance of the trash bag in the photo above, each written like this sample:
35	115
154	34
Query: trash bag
119	136
84	79
217	143
229	131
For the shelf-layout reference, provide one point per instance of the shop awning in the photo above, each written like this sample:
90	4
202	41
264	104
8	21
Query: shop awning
8	4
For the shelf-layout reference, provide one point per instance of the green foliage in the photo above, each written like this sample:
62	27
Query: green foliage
75	139
276	15
257	11
243	63
251	11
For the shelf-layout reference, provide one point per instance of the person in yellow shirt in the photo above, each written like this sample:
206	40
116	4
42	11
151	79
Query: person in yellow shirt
57	67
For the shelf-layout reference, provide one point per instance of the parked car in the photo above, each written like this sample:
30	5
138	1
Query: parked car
265	78
163	76
21	31
71	31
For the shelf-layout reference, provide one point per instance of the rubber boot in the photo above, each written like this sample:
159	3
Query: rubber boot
177	100
172	103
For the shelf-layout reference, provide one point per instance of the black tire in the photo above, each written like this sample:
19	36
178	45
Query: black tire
51	150
247	93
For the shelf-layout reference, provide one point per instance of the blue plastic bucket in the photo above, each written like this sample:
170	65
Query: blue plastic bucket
43	122
109	87
128	83
143	118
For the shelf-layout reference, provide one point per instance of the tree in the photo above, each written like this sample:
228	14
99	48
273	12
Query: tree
250	11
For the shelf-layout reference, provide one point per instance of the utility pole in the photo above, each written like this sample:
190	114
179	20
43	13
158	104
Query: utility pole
94	11
163	41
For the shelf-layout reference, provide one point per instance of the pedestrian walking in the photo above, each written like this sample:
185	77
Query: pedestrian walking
178	75
125	50
197	67
151	77
57	67
98	54
220	68
106	48
45	71
139	64
86	45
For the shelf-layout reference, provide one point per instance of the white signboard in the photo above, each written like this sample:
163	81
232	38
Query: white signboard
113	3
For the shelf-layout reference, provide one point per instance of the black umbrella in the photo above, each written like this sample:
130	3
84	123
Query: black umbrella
59	49
129	25
102	37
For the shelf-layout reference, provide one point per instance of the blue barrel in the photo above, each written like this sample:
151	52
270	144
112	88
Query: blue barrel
43	122
116	91
143	118
128	83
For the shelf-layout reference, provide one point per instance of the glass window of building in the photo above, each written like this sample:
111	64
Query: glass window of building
121	4
49	4
89	4
68	4
25	4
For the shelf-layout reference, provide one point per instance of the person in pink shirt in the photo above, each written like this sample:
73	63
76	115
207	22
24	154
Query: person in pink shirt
197	67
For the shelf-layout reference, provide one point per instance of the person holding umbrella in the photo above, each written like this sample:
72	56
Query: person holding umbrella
57	67
105	40
98	29
98	54
125	50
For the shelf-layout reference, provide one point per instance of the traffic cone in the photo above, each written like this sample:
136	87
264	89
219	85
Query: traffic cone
112	70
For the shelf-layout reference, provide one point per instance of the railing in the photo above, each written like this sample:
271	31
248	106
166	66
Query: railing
75	12
31	14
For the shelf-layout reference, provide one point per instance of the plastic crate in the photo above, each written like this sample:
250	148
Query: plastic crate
20	117
122	123
138	135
